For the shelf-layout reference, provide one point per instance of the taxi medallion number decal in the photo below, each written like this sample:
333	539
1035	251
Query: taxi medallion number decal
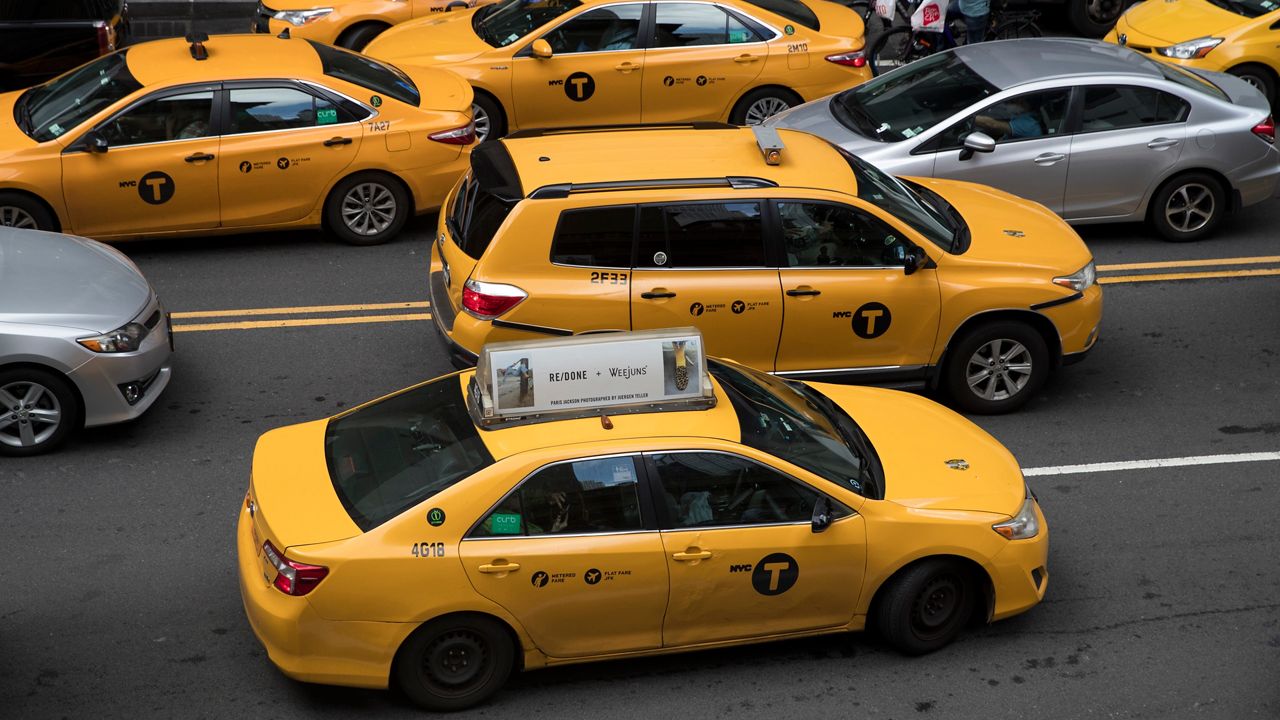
428	550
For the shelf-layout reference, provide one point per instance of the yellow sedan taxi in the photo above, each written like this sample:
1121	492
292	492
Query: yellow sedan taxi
550	63
1232	36
233	134
346	23
619	496
789	254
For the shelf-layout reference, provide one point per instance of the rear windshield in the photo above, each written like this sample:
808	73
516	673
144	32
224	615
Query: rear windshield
29	10
1189	79
910	100
48	111
475	217
367	73
793	10
387	457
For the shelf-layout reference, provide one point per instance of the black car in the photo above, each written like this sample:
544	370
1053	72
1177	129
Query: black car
40	39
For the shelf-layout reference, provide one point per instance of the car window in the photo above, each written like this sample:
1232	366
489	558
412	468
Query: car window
367	73
1022	117
264	109
700	235
48	111
176	117
708	489
595	237
889	194
585	496
616	27
506	22
1123	106
829	235
690	24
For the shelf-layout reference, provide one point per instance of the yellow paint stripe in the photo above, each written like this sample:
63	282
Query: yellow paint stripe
299	310
1164	277
300	322
1190	263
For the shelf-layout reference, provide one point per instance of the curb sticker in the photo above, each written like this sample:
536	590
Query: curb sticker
775	574
871	320
326	116
435	517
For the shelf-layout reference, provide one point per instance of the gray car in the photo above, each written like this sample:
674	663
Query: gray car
83	339
1093	131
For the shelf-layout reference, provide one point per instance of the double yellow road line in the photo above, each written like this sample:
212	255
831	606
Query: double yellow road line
1106	277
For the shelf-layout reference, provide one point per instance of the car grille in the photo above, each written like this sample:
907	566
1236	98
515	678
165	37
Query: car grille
262	20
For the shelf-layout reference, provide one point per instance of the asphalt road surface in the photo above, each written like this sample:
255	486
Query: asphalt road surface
118	593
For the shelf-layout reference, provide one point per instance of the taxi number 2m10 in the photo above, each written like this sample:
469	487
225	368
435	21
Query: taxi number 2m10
427	550
609	278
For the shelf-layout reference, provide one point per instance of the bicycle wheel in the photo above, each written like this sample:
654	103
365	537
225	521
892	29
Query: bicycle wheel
899	46
1015	29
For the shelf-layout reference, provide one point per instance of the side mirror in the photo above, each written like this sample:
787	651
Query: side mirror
541	49
916	259
976	142
821	518
94	142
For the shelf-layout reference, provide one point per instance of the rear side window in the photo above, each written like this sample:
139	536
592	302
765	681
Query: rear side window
701	235
1121	106
367	73
264	109
686	25
588	496
595	237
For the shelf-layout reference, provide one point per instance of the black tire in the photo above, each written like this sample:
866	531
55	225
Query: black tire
1017	29
926	607
491	110
455	663
761	104
1188	207
23	211
897	47
373	227
1006	386
1093	18
1259	76
355	38
19	419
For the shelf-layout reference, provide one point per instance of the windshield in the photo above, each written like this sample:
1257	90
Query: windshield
387	457
367	73
48	111
1247	8
886	192
504	23
792	421
910	100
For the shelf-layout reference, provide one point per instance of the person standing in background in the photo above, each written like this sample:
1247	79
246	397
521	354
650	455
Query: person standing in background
975	13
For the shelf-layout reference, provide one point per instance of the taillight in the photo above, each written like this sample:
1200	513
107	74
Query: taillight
1266	130
293	578
487	301
105	45
850	59
464	135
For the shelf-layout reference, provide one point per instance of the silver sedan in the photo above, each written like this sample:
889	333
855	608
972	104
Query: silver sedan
1093	131
83	339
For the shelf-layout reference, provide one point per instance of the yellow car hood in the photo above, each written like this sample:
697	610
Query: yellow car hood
296	502
923	446
1175	21
439	40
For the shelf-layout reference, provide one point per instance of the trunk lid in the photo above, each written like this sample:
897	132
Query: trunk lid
438	40
294	500
840	21
440	89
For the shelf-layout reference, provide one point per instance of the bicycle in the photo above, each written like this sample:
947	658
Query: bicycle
901	45
875	24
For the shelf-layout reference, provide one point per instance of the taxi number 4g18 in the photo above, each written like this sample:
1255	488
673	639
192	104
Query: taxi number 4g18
427	550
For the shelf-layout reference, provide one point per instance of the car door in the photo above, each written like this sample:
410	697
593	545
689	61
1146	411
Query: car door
847	301
282	146
573	557
700	58
1032	148
593	76
703	264
159	172
1128	140
742	553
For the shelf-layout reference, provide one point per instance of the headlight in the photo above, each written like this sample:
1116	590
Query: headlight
125	339
1023	526
1191	49
1080	280
301	17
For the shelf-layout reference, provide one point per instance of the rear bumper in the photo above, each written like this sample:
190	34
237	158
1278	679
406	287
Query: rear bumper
432	183
443	315
1020	573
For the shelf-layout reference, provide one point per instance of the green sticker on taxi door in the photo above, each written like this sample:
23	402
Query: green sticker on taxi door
326	116
504	524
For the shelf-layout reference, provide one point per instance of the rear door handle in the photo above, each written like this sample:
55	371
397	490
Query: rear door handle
657	293
337	141
198	157
498	569
746	58
626	67
802	291
1049	158
691	556
1162	143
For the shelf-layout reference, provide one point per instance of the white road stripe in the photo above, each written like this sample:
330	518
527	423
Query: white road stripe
1155	463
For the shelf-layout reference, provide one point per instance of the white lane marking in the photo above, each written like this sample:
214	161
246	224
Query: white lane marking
1154	463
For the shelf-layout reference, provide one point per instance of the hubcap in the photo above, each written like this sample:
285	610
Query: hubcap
29	414
765	108
1190	207
1103	11
368	209
456	662
935	607
481	119
11	216
1255	81
999	369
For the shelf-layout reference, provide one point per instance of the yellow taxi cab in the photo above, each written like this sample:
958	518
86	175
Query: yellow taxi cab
788	253
549	63
346	23
239	133
1232	36
618	496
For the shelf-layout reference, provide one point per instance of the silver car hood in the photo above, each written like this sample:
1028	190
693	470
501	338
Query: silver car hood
815	117
55	279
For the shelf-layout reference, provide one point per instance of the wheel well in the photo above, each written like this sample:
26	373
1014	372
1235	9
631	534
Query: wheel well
517	655
1262	66
358	27
1040	323
977	575
27	193
506	121
408	191
45	368
1228	190
795	96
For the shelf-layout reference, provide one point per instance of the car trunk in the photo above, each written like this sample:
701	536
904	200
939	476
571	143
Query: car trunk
489	193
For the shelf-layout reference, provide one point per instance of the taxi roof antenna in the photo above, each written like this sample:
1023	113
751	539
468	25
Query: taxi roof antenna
197	40
284	34
770	144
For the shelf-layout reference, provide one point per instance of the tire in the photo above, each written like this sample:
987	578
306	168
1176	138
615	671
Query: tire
1019	29
355	38
1093	18
485	110
23	211
895	48
1018	372
39	410
367	208
1189	207
926	607
761	104
435	666
1259	76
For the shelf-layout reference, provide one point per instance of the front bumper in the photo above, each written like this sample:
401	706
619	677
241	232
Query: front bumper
99	380
1079	323
1020	574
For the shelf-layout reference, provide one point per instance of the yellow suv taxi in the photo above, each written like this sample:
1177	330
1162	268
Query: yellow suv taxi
549	63
244	132
346	23
619	496
788	253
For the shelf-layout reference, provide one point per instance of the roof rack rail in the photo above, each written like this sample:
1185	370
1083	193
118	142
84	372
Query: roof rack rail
697	125
563	190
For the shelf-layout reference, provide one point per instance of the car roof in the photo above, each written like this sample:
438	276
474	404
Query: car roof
231	57
1007	63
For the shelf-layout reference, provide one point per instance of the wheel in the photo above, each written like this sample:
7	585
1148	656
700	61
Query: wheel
1017	29
1258	76
899	46
1093	18
926	607
761	104
1188	207
996	367
455	663
355	38
367	209
23	211
487	114
39	410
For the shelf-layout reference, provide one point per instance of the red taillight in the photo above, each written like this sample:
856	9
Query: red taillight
293	578
487	301
1266	130
105	45
854	59
464	135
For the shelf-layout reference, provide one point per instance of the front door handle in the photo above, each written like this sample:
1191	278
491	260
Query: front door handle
1162	143
802	291
626	67
688	556
746	58
198	157
498	569
1049	158
656	293
337	141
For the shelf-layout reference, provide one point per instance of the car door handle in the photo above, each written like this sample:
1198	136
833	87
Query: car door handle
1049	158
1162	143
496	569
802	291
746	58
691	556
198	157
337	141
656	293
626	67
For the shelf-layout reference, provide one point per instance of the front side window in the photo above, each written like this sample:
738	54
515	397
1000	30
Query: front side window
176	117
1122	106
48	111
595	237
690	24
707	489
585	496
367	73
701	235
265	109
1024	117
828	235
506	22
616	27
